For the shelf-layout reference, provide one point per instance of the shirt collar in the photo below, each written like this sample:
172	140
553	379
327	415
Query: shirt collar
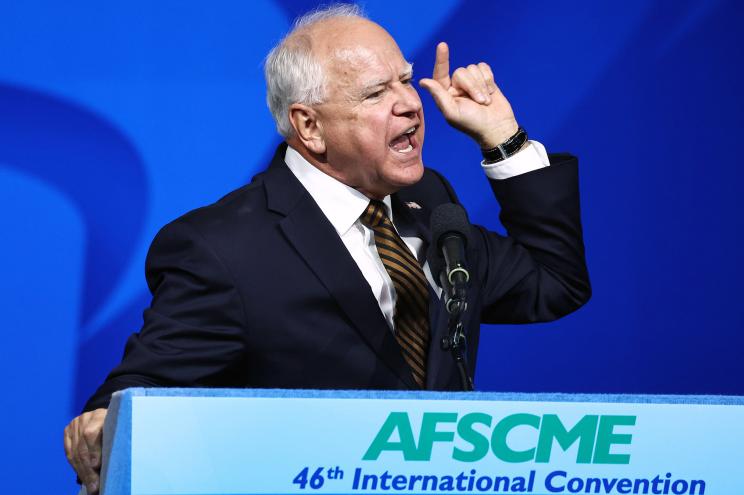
342	205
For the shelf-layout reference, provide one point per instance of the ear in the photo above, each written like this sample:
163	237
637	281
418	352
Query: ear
304	121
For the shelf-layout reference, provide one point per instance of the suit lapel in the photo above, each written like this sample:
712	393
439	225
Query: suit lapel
411	219
317	242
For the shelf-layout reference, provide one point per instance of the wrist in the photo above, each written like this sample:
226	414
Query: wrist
498	135
513	145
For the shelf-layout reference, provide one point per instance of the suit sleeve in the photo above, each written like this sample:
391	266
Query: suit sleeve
537	273
193	331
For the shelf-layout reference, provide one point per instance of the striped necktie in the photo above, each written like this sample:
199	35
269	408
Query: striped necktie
411	316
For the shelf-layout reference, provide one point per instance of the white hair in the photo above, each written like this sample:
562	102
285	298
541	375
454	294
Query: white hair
293	74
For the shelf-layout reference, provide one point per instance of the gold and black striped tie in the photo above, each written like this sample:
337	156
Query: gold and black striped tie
411	316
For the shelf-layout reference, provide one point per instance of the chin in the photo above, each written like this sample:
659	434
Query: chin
409	175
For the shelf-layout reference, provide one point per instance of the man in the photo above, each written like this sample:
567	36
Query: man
315	274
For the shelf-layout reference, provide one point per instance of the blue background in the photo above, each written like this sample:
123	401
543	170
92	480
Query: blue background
116	117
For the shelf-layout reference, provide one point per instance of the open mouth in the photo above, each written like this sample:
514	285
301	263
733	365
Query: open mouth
404	142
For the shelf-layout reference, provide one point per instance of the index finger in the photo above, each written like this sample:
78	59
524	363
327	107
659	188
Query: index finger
441	65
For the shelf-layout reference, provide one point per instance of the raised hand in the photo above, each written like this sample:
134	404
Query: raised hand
470	100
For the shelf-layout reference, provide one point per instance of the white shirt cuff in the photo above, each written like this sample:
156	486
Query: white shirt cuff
531	158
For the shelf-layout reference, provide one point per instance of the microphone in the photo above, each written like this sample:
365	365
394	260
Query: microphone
450	230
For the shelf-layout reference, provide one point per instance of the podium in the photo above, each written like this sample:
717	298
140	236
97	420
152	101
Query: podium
245	441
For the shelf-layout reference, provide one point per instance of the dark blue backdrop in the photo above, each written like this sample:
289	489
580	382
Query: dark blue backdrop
117	117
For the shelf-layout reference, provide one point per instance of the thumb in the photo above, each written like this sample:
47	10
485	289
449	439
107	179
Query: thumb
441	96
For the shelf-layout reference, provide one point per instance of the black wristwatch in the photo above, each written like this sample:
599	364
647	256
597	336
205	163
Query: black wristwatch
505	149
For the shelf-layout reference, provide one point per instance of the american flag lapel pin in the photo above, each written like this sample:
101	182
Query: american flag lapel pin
413	204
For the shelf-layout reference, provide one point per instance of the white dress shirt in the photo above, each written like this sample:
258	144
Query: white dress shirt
343	205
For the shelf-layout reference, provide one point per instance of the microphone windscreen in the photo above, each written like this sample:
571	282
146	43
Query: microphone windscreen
445	218
449	218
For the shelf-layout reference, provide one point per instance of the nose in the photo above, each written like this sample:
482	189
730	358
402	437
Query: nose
407	100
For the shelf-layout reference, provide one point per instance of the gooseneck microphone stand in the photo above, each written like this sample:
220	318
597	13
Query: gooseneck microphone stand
455	341
450	231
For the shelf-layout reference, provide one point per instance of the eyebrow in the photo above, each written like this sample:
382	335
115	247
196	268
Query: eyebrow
406	72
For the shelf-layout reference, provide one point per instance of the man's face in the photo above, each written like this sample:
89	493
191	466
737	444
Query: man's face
372	121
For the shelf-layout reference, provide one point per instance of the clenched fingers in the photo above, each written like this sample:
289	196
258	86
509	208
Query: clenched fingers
83	440
84	468
485	69
480	80
470	83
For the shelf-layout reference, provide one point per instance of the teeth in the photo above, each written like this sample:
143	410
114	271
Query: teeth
408	132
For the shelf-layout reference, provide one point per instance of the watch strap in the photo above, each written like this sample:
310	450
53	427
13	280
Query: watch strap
505	149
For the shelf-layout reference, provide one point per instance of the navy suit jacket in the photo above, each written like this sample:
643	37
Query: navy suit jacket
258	290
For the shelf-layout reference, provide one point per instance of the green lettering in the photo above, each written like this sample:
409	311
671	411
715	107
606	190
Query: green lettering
429	433
553	429
477	440
396	421
502	429
606	438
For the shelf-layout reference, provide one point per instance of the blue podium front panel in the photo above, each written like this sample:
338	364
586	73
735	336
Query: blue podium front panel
271	442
